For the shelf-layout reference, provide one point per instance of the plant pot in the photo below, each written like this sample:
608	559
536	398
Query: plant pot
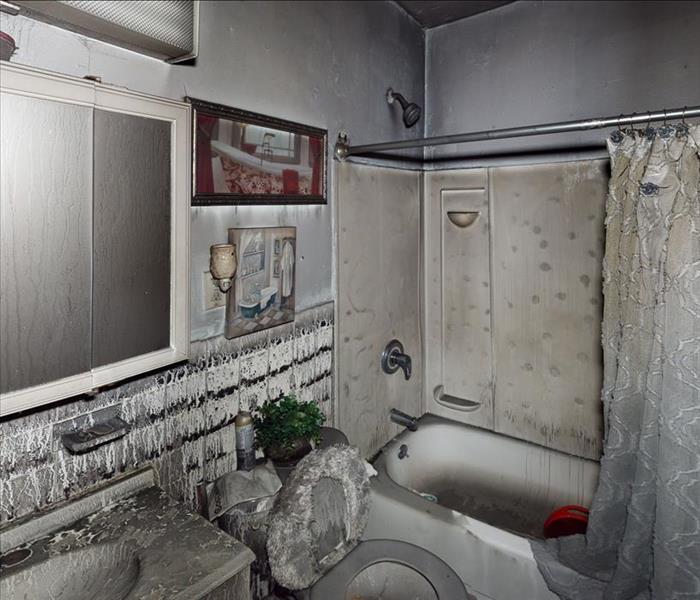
288	456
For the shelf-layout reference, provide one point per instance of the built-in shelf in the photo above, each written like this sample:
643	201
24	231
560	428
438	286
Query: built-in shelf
463	218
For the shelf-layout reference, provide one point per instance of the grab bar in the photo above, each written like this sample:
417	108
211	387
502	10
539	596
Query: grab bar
453	401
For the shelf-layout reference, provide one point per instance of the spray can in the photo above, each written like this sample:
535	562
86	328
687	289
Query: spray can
245	441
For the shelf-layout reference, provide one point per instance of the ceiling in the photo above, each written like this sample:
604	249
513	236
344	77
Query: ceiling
432	13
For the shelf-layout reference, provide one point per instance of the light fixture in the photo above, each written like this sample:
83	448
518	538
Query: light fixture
223	264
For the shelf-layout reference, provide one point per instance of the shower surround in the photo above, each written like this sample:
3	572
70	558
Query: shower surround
378	275
513	300
181	419
511	307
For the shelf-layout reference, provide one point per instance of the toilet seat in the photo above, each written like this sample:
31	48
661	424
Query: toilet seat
438	573
314	539
302	545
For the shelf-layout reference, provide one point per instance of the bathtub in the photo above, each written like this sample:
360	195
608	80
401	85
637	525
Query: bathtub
260	302
267	296
485	495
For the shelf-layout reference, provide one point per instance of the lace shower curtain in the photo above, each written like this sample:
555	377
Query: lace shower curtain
643	539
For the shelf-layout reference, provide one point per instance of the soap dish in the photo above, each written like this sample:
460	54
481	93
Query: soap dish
82	440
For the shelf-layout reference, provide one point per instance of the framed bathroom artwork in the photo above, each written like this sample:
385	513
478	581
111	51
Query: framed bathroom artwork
241	157
263	292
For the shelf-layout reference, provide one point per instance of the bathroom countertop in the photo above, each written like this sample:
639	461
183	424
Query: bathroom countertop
181	555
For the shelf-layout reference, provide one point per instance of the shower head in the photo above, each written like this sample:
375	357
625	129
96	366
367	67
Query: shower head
411	111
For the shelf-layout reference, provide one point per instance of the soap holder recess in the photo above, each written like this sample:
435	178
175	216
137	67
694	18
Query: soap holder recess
87	438
463	218
454	402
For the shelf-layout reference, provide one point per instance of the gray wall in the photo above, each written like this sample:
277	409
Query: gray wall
535	62
326	64
538	62
379	231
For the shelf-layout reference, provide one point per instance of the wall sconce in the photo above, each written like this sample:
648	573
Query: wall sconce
223	264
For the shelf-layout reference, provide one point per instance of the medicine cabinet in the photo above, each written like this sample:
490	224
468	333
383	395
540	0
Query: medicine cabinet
94	218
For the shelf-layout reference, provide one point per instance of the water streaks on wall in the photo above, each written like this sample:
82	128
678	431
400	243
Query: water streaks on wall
181	419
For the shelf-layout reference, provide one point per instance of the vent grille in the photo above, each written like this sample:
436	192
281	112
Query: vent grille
163	28
169	22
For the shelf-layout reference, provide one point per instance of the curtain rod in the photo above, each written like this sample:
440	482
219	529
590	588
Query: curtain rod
343	150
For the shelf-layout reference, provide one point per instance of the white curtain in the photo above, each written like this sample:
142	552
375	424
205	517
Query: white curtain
643	539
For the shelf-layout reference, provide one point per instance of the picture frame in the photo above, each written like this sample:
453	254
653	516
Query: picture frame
264	287
245	158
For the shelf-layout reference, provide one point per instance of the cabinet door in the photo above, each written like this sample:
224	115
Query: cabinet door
45	258
94	224
131	236
140	302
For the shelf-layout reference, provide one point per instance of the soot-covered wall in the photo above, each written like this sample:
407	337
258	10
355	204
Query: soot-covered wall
325	64
539	62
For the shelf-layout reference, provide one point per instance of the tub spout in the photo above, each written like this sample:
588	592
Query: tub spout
401	418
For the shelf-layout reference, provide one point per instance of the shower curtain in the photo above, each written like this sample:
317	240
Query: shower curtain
643	538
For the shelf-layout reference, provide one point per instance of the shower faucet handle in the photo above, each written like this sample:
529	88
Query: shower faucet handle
394	358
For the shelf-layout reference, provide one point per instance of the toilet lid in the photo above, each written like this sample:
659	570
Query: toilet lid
445	583
319	516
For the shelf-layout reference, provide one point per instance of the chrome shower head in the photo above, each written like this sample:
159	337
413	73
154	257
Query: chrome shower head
411	111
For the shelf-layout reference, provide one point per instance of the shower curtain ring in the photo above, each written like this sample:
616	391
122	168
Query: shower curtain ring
683	115
665	116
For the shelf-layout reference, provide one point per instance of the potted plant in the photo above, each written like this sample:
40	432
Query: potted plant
285	428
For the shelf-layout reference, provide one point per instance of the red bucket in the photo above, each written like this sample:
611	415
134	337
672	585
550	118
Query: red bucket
567	520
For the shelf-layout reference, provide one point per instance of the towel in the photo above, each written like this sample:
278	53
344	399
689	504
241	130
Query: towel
287	269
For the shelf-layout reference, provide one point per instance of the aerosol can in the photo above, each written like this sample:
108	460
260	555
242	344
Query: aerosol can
245	441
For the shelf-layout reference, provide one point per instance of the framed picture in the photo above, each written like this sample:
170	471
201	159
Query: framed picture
263	291
240	157
277	248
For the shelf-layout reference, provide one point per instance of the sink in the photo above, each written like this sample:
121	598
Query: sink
124	540
105	571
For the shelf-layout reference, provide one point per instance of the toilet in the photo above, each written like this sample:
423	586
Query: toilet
396	570
314	541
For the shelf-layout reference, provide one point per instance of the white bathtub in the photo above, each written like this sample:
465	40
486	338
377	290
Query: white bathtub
492	493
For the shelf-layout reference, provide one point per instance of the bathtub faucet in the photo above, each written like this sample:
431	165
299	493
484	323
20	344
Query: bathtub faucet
394	358
401	418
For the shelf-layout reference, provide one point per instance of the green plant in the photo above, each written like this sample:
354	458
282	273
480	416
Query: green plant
281	423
